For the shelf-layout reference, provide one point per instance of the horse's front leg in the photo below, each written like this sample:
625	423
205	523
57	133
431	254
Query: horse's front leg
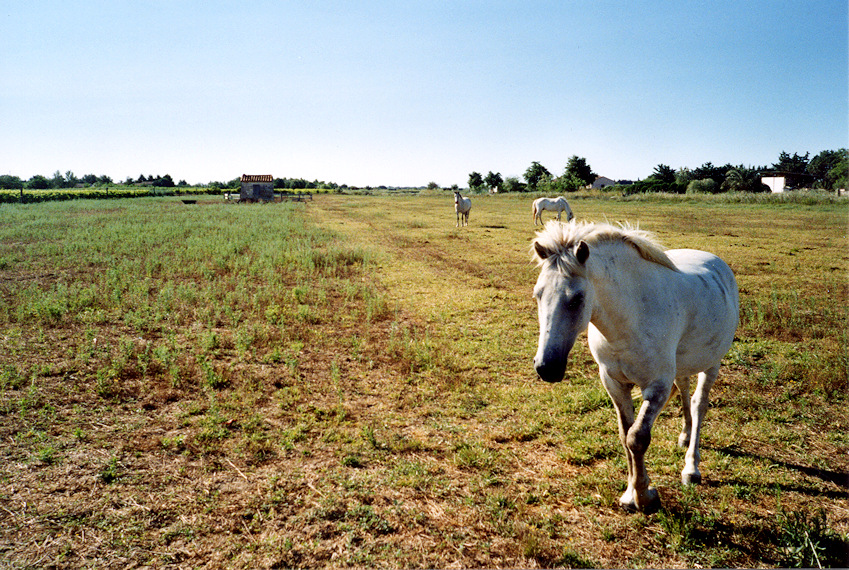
621	396
635	435
645	497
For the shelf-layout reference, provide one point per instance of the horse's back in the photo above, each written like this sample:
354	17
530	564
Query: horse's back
558	203
564	206
710	303
709	270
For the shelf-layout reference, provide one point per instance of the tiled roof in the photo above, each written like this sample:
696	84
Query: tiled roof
257	178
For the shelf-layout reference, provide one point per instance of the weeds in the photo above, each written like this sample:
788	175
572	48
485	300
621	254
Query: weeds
808	542
11	378
109	472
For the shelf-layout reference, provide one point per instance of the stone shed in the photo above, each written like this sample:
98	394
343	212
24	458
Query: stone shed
257	187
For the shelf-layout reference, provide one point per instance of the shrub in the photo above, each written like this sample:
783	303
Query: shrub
654	186
704	186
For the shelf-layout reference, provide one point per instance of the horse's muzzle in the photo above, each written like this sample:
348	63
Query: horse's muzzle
550	370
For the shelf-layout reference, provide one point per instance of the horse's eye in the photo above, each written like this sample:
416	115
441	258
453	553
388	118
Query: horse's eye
575	302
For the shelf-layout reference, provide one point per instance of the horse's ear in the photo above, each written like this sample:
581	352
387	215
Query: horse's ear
582	252
541	250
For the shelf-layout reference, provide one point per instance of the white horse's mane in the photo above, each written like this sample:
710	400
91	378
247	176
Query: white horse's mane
560	238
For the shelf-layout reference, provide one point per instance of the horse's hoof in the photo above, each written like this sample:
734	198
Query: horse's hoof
650	503
684	441
652	507
691	478
626	501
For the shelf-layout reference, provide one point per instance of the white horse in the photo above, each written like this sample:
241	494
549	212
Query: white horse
655	318
462	207
558	205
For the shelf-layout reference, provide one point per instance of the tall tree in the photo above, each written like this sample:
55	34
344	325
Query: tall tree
57	181
535	174
567	183
11	182
822	164
840	173
38	182
715	173
493	180
663	173
578	167
475	180
796	164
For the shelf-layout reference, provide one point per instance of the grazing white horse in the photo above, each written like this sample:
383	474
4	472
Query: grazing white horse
654	319
558	205
462	207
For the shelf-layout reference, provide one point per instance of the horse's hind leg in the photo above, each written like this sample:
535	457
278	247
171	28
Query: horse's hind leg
698	407
683	385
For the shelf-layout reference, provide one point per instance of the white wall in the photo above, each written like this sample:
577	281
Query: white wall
775	183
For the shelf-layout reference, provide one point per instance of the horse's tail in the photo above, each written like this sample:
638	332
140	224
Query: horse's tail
672	393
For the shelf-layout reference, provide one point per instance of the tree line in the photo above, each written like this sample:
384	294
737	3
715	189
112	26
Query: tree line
827	170
70	180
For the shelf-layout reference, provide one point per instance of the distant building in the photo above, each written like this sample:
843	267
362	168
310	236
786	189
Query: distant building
775	182
779	181
257	187
602	182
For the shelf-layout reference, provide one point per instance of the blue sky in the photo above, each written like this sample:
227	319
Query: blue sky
405	93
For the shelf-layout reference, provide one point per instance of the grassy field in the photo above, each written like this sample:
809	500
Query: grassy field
348	382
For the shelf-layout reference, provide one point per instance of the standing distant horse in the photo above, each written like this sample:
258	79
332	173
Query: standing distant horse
558	205
654	319
462	207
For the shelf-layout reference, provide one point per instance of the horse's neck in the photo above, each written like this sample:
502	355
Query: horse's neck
619	276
